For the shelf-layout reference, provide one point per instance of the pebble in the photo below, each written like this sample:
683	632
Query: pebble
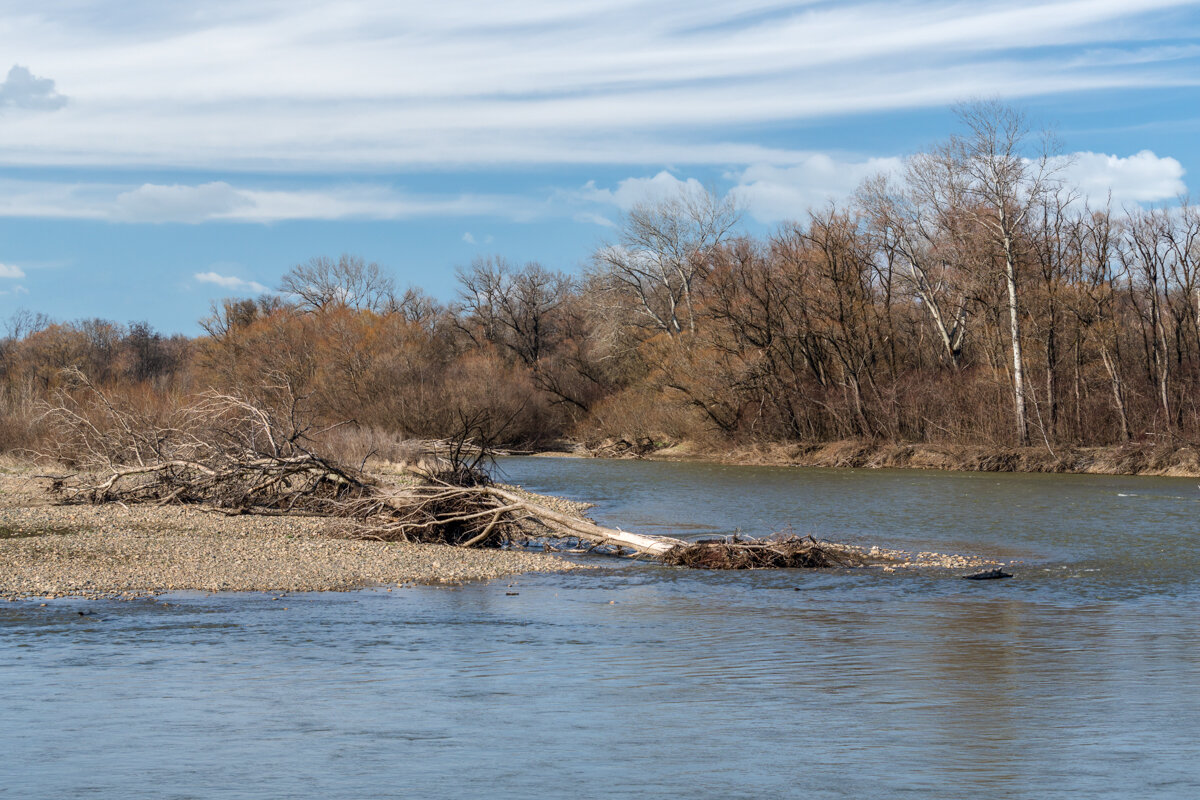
106	551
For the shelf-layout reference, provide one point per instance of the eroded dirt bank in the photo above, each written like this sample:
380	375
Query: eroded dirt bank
1132	459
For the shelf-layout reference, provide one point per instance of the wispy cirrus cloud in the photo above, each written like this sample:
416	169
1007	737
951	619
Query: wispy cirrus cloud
220	201
306	86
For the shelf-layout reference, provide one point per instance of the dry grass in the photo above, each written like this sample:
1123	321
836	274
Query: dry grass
371	447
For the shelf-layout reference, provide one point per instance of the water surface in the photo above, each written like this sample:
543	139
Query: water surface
1080	677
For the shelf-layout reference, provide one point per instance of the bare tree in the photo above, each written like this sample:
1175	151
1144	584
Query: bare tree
995	183
1161	247
914	225
322	282
230	314
416	308
664	249
513	308
1100	271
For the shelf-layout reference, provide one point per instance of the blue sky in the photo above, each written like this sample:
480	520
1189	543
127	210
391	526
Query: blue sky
157	156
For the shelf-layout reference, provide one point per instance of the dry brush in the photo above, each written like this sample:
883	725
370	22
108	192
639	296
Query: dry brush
237	454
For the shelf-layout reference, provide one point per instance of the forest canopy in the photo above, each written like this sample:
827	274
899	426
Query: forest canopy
974	297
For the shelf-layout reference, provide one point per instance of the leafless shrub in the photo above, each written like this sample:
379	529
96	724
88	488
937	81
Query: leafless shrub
322	283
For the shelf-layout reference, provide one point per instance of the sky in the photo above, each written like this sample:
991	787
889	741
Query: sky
155	157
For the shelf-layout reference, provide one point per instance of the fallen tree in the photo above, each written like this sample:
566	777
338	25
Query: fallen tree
237	454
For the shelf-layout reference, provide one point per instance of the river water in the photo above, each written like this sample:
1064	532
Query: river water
1079	677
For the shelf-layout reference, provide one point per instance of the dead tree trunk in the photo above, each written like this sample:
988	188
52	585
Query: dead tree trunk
586	530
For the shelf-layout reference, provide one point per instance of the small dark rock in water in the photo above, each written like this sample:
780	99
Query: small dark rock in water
987	575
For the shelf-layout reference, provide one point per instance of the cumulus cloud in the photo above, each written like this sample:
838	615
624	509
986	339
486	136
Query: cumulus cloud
23	89
634	191
771	193
468	238
10	271
229	282
1140	178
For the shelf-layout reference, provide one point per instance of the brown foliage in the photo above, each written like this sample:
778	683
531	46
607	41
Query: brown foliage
937	307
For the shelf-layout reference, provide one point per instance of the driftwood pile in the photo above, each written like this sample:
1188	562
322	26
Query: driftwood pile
229	452
789	553
237	454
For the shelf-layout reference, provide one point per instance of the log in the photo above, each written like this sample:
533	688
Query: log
987	575
589	531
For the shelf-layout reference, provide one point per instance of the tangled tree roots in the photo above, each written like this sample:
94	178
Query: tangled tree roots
790	553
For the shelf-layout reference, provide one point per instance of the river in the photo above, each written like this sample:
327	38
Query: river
1079	677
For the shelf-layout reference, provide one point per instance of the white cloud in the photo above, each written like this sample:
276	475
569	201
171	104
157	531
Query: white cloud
23	89
222	202
633	191
1140	178
154	203
308	86
771	193
767	191
783	185
594	219
229	282
468	238
10	271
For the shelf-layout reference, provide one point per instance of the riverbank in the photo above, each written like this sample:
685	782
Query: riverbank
1131	459
50	550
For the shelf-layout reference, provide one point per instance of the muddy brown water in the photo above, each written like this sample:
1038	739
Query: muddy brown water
1079	677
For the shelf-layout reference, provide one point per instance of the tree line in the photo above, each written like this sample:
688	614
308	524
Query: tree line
975	297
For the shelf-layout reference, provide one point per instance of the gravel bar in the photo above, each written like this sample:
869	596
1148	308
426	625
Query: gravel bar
49	550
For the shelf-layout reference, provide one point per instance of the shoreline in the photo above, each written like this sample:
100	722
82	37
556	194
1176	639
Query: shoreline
1133	459
113	551
54	551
